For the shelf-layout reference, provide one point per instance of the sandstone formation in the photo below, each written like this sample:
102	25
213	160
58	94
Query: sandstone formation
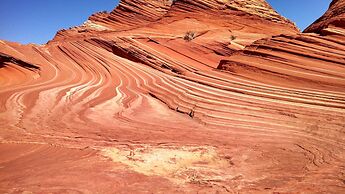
185	96
332	22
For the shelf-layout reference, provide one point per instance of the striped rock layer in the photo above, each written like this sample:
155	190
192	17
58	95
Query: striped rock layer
332	22
208	96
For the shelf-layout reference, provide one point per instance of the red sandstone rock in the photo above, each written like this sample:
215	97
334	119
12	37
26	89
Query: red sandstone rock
126	104
332	22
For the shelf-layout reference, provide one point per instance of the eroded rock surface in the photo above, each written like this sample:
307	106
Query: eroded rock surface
332	22
208	96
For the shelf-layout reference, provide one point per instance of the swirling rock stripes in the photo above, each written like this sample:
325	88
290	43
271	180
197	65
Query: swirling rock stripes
93	111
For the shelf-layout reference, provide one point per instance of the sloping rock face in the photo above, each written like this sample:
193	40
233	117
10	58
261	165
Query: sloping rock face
256	18
332	22
128	14
309	69
208	96
314	59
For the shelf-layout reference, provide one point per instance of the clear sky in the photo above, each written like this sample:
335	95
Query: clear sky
302	12
37	21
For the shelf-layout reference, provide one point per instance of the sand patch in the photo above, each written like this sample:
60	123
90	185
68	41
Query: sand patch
186	164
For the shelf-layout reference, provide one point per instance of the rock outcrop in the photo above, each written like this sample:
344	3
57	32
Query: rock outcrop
314	59
332	22
128	14
180	96
256	17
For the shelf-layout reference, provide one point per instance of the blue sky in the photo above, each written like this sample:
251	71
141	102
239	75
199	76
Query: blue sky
302	12
36	21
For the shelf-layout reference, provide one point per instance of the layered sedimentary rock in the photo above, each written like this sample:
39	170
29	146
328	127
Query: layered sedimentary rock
332	22
176	97
128	14
309	69
254	19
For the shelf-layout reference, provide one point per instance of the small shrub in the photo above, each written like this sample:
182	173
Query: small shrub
232	37
190	35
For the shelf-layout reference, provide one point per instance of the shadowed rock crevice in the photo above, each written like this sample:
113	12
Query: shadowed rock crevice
5	60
